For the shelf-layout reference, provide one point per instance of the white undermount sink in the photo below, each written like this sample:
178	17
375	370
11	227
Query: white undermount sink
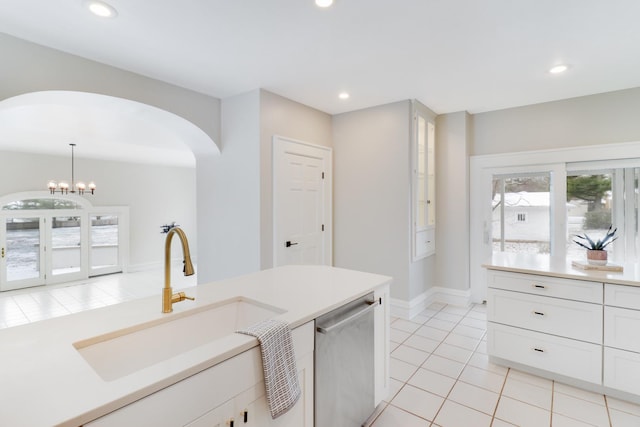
128	350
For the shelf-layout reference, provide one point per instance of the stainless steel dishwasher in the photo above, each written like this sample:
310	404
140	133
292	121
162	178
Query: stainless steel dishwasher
344	371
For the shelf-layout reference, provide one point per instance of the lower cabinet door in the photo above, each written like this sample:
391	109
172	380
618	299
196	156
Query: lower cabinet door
621	327
622	370
559	355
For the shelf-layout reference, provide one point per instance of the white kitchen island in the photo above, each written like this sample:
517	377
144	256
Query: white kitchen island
47	381
581	327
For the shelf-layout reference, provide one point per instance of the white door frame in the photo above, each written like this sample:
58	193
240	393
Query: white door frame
281	146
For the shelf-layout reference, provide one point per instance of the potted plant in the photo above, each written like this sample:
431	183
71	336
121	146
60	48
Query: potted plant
596	253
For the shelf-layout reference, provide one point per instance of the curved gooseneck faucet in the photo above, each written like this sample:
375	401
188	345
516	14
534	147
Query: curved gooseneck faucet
168	297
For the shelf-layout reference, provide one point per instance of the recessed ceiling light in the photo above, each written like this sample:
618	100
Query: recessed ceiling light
560	68
324	3
101	9
343	95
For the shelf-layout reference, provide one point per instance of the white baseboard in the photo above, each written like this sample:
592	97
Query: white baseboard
409	309
137	268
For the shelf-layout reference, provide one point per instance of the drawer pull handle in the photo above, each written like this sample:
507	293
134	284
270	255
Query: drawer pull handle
538	313
539	350
540	286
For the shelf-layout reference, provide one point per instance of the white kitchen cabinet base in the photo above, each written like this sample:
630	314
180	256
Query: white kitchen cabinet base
575	329
564	356
595	388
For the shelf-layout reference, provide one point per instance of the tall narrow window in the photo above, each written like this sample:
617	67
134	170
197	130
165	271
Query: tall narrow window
65	244
104	242
521	213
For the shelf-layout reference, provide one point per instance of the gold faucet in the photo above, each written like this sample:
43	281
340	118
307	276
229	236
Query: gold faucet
168	297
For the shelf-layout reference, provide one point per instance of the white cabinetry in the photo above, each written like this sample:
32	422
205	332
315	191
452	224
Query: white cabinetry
621	338
551	324
222	393
423	184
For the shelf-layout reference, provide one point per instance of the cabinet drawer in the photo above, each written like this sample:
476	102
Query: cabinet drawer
579	290
622	370
622	296
425	243
572	319
563	356
622	328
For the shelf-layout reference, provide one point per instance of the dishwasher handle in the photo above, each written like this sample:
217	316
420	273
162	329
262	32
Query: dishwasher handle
370	306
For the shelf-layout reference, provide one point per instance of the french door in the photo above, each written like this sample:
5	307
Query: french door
22	260
38	249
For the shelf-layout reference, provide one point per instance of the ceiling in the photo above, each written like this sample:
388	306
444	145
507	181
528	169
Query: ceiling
452	55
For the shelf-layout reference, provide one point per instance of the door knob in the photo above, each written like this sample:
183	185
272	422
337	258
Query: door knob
288	243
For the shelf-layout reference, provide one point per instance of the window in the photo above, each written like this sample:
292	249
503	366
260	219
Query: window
521	213
104	238
50	239
600	194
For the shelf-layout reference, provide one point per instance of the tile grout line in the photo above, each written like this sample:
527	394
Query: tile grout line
495	410
459	374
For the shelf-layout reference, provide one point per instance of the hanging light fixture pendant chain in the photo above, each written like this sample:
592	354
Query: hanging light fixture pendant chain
73	146
63	188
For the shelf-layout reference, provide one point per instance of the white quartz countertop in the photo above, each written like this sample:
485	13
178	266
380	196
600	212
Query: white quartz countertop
46	382
555	267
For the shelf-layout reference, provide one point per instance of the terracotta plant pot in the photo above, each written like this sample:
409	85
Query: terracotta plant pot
595	257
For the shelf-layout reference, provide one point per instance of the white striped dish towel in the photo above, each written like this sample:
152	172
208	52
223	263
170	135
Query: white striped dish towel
279	364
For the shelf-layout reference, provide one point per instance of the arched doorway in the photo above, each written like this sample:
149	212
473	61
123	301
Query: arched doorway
47	239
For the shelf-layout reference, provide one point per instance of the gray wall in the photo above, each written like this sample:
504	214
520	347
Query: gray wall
239	223
588	120
372	196
287	118
28	67
452	200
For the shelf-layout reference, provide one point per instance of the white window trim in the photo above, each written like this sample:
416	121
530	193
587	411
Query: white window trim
482	169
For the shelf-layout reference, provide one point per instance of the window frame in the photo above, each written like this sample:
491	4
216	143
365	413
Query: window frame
480	191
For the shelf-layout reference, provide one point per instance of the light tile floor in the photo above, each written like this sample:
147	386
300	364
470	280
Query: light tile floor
441	376
43	302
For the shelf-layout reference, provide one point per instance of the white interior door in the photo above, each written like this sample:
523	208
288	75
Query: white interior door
301	203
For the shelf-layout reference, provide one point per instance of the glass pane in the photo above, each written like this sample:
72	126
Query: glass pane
589	209
36	204
421	160
65	244
431	178
521	214
104	241
23	248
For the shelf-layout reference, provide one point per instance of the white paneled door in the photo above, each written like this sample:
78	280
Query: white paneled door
301	203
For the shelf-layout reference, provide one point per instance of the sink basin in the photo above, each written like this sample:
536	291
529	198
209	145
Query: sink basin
128	350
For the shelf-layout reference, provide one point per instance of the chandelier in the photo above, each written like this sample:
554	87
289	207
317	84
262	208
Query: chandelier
63	187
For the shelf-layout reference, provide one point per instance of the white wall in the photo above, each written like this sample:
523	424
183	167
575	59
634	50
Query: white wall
372	192
229	214
156	195
287	118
